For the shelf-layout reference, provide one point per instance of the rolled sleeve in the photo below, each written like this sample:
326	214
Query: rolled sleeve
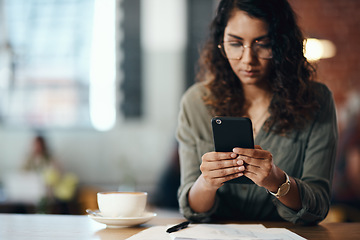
186	210
316	180
305	215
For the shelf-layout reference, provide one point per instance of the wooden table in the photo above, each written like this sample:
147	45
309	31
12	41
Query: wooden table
36	226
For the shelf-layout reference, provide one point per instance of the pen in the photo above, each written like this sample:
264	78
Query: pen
178	227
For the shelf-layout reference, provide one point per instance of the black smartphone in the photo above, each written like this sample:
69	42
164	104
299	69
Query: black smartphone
230	132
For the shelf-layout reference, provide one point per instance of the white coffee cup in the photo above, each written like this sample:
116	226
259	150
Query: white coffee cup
121	204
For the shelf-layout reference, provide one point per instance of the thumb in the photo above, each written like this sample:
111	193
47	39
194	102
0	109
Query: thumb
257	147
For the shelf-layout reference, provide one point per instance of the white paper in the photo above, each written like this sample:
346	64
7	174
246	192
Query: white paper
233	232
218	232
280	232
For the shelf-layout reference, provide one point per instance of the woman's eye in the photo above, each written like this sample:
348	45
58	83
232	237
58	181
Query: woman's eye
235	44
263	44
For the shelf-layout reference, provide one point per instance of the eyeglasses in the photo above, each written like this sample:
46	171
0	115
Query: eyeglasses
235	49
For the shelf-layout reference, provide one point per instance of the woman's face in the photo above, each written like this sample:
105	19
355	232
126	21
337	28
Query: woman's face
243	30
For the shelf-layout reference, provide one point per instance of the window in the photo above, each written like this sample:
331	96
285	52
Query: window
57	64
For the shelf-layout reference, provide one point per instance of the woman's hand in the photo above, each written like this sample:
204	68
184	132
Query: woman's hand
260	168
216	168
256	164
219	167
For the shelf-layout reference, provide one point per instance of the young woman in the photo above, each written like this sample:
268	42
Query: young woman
253	66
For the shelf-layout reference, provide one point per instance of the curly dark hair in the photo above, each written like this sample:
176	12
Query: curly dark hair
291	77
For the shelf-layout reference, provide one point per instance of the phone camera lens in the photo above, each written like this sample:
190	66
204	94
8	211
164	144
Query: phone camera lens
218	121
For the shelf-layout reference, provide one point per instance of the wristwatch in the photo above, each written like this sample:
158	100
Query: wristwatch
283	189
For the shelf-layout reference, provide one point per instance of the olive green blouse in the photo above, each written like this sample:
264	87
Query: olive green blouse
308	156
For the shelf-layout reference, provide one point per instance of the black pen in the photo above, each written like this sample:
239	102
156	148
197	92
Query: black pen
178	227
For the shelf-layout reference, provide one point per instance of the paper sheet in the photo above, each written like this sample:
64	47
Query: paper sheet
218	232
234	232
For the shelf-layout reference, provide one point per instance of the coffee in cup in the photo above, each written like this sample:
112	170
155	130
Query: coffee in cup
121	204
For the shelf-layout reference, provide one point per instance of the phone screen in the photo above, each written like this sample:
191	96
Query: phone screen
230	132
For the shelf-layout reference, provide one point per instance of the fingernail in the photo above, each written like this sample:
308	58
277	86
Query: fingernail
233	155
240	162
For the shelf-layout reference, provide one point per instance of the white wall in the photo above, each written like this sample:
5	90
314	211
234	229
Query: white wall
141	147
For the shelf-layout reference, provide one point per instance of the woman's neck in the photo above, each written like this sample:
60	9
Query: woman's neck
257	95
257	102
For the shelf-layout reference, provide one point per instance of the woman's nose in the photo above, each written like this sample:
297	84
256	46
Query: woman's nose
248	55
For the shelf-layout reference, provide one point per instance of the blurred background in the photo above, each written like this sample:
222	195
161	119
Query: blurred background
99	81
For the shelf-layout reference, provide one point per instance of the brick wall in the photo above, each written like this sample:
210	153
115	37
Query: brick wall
338	21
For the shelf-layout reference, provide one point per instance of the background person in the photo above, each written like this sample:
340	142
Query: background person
60	186
39	157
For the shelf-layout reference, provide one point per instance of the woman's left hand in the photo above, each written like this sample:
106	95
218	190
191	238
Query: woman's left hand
260	168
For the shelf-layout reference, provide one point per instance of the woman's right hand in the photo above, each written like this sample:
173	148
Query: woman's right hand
219	167
216	168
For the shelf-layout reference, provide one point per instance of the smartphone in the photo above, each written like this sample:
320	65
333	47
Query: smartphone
230	132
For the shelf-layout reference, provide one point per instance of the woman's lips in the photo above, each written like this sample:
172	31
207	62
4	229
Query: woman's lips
250	73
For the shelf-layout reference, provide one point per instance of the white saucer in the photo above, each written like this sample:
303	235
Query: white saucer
124	221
